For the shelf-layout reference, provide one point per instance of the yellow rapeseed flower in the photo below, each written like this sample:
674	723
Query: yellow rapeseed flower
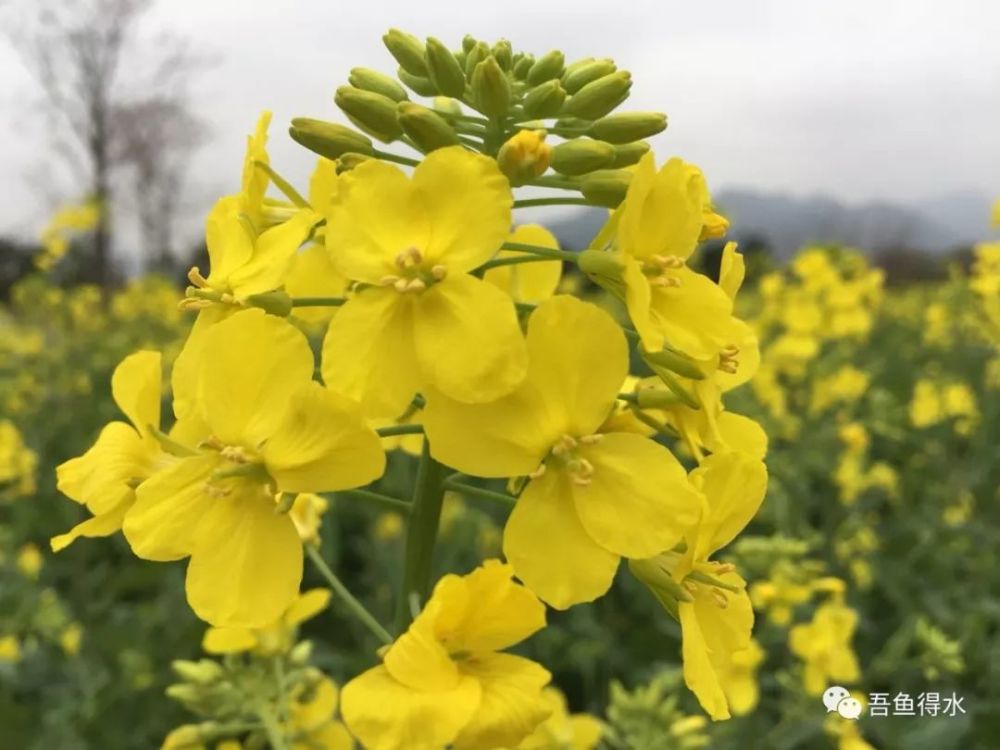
269	429
275	638
422	318
562	730
825	646
445	681
29	561
592	498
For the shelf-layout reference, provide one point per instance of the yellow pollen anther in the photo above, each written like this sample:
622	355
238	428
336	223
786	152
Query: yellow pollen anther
591	439
723	568
728	361
720	598
665	281
690	587
416	285
409	258
195	277
388	280
214	490
400	285
668	261
539	472
191	303
236	454
438	272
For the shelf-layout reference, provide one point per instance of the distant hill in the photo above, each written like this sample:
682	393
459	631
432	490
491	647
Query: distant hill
786	223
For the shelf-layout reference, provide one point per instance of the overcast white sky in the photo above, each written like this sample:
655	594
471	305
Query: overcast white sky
860	99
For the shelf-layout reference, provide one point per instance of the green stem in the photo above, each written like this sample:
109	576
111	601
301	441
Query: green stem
400	429
468	489
421	535
272	727
387	156
552	181
660	427
386	501
357	608
532	202
542	252
318	301
512	261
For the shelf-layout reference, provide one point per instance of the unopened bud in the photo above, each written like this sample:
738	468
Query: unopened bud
503	53
378	83
545	100
328	138
524	156
479	52
417	84
490	89
468	42
581	75
628	154
189	695
301	653
714	226
625	127
599	97
548	66
581	155
201	672
447	106
425	127
576	65
606	187
443	69
408	51
522	66
373	113
276	303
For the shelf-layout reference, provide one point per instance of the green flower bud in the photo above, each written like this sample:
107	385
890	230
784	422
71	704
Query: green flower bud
475	56
490	89
425	127
628	154
443	69
606	187
373	113
273	303
676	362
189	695
447	106
408	51
504	54
417	84
378	83
581	155
587	73
522	66
468	42
328	138
599	97
625	127
548	66
300	653
576	65
545	100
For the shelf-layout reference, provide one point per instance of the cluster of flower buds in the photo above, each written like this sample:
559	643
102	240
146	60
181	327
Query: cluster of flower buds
499	102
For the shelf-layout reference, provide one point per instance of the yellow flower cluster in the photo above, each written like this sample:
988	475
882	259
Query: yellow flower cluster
67	222
442	321
17	463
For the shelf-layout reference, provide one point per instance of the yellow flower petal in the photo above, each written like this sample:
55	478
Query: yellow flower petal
368	352
247	565
531	283
468	341
732	270
696	316
579	360
638	301
331	736
417	659
386	715
312	275
502	438
101	476
734	486
272	255
105	524
639	501
322	444
135	386
307	716
309	604
485	610
662	213
376	215
228	640
229	245
511	706
549	548
587	731
468	203
699	672
168	508
251	363
741	434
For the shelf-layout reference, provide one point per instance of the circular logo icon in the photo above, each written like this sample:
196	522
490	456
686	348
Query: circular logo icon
849	708
833	696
